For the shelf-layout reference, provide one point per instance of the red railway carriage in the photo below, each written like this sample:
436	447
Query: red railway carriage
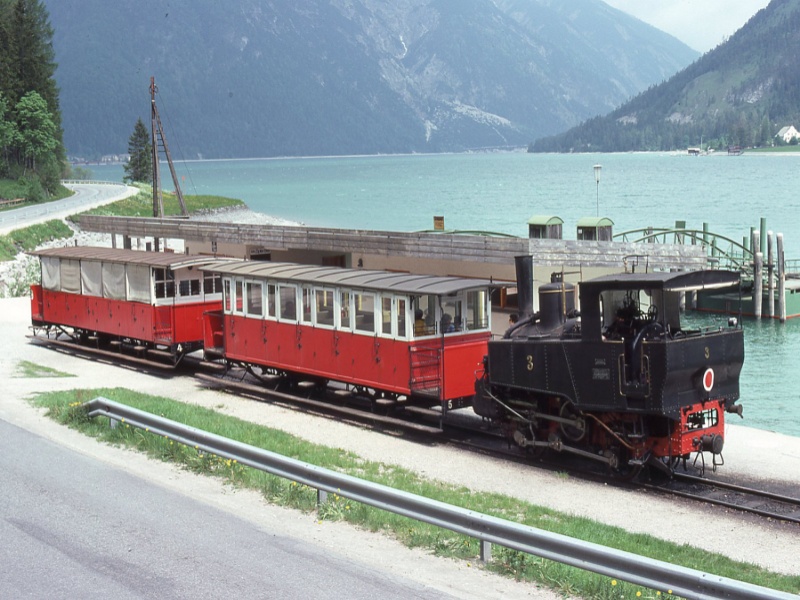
150	300
421	337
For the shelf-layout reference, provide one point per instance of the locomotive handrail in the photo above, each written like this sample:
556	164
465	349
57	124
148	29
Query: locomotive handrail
639	570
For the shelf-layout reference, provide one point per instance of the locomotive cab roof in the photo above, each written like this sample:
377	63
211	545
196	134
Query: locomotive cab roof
683	281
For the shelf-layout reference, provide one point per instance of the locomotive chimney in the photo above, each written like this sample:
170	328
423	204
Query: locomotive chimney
524	265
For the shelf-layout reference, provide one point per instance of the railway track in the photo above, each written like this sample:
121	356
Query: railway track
764	503
469	433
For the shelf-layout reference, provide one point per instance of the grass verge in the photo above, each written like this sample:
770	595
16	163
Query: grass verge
28	370
65	408
29	238
141	205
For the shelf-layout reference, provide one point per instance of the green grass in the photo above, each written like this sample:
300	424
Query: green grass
26	369
65	407
29	238
11	189
141	205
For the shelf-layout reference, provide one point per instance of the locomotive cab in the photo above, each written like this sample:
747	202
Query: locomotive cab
627	381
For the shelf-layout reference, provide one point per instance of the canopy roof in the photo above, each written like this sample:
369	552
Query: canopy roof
168	260
405	283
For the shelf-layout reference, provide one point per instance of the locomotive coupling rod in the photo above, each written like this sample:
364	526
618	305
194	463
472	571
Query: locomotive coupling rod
610	562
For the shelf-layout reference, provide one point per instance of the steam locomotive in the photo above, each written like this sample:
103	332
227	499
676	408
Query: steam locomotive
624	382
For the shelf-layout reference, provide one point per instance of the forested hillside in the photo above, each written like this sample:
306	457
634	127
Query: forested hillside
739	94
31	152
253	78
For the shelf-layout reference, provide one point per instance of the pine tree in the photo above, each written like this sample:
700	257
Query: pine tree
140	165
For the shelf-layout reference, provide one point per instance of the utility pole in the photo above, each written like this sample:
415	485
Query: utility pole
157	137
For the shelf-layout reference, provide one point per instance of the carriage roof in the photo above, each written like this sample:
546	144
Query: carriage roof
353	278
168	260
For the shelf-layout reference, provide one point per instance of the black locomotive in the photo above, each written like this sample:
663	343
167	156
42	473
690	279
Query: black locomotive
623	382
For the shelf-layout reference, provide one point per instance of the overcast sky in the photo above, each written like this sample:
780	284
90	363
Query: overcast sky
701	24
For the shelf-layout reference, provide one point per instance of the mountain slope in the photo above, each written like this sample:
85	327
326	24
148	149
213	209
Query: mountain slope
740	93
265	77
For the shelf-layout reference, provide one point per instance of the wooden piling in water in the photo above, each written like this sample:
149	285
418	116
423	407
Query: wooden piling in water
781	280
770	278
758	284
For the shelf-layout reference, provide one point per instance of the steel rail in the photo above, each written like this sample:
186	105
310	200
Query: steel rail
639	570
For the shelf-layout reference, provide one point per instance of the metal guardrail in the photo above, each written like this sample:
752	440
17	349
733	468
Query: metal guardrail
91	182
626	566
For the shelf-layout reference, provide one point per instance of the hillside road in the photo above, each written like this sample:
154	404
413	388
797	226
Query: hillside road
87	195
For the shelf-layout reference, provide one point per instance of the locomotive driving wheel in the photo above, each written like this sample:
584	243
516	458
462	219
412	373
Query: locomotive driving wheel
575	431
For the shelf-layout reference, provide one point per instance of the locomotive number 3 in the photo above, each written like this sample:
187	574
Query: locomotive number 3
707	352
529	360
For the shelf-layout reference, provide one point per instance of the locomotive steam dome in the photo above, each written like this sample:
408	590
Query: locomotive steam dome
556	300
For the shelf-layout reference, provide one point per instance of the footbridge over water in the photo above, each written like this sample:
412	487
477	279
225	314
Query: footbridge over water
763	265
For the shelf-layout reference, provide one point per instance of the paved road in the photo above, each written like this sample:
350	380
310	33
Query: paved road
87	195
74	527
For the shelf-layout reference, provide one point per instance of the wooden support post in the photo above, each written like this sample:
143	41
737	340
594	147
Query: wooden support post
758	284
126	242
781	261
770	278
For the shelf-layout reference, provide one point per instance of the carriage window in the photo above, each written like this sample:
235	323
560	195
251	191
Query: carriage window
365	312
324	300
212	283
477	315
346	321
288	296
452	315
255	298
424	315
227	295
238	301
386	315
271	300
165	283
308	302
401	318
189	287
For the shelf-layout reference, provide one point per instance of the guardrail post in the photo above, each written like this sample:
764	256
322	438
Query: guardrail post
322	497
486	551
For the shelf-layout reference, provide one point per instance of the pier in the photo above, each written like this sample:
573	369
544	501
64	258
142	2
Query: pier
771	282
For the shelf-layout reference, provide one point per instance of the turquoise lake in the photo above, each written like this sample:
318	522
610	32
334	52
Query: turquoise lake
499	192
